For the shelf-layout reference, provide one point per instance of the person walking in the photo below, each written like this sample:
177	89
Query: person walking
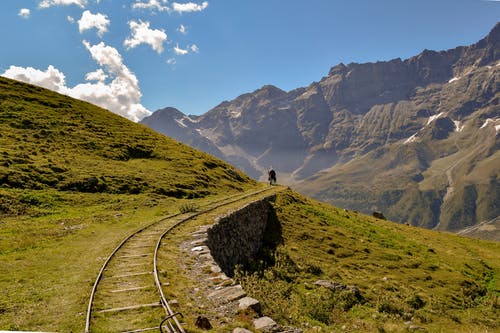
272	176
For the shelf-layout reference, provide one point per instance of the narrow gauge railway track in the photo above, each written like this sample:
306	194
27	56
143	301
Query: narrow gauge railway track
127	295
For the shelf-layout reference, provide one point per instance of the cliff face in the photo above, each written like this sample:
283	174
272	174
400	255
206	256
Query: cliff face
416	138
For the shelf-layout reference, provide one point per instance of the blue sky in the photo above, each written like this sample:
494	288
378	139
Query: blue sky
136	56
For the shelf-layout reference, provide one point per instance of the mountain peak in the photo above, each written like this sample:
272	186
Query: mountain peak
170	111
269	91
339	69
494	35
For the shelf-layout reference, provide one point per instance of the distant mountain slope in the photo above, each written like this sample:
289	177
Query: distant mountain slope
415	138
51	141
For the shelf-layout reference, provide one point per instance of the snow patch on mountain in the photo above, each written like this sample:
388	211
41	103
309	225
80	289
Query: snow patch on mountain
434	117
489	121
235	114
191	120
458	126
181	122
411	139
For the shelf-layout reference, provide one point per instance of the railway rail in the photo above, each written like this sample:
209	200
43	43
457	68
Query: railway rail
127	295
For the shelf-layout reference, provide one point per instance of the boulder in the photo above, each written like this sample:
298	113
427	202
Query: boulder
203	323
264	323
378	215
241	330
228	294
250	303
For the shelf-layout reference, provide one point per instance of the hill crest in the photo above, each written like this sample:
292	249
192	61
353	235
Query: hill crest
51	141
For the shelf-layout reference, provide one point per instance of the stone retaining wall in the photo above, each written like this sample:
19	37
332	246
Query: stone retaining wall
236	238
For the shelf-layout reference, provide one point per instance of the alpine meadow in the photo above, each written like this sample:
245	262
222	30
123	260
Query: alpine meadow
77	179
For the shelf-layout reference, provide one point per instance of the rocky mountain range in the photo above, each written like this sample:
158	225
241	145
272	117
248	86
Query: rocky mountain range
417	139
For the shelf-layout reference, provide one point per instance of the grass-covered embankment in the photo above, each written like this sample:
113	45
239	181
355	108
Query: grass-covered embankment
389	277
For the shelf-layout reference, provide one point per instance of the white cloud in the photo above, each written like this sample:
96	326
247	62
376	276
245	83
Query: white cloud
152	5
189	7
98	75
52	78
50	3
24	13
180	51
190	49
194	48
121	95
94	21
182	29
70	19
171	61
106	56
141	34
162	5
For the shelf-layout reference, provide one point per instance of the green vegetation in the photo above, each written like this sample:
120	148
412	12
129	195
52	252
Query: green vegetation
74	181
386	277
50	141
188	208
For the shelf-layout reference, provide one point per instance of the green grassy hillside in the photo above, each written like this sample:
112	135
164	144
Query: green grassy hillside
386	277
74	180
50	141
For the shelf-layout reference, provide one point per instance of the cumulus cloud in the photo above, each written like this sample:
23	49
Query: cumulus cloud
189	7
106	56
24	13
93	21
142	34
52	78
171	61
97	75
121	94
151	5
50	3
70	19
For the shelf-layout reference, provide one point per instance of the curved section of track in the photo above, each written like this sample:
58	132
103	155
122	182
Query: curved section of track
127	295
